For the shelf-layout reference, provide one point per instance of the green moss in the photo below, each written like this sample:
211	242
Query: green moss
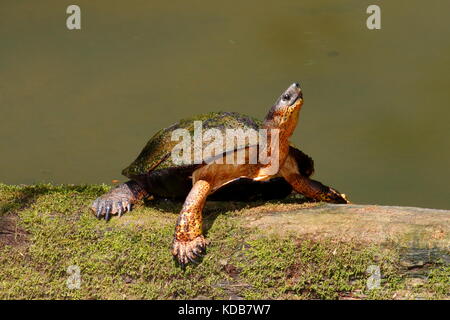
130	257
299	268
439	281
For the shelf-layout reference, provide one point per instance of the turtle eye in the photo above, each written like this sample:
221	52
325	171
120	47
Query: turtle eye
286	97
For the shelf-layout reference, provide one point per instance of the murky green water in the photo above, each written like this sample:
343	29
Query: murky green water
77	106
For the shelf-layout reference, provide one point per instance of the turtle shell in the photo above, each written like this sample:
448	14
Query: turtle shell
156	154
155	169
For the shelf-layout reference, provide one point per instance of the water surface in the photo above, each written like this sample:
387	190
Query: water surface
78	106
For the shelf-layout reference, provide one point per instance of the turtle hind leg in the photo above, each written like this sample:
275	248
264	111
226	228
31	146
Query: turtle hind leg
119	200
315	190
189	244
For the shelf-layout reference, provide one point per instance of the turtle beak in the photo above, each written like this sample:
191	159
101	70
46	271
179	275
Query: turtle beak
296	92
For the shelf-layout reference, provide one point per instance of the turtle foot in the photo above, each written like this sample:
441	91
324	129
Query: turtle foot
105	207
116	202
189	251
335	196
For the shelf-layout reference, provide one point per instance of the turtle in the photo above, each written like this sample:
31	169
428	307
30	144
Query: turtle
157	172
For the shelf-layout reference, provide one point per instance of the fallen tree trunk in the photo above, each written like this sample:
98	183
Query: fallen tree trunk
380	224
422	234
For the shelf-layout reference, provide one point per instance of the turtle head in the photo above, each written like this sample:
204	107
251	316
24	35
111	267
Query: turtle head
284	113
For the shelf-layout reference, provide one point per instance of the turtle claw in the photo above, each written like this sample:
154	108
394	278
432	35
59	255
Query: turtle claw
186	252
120	208
108	210
193	261
99	210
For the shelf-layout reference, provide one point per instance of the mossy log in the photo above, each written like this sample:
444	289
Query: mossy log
423	235
258	250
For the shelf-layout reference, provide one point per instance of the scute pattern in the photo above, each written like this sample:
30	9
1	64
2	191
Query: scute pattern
157	152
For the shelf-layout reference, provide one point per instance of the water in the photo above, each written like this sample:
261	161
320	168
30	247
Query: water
78	106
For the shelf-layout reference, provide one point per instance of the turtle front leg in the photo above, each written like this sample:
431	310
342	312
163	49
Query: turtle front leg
314	189
188	242
119	200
